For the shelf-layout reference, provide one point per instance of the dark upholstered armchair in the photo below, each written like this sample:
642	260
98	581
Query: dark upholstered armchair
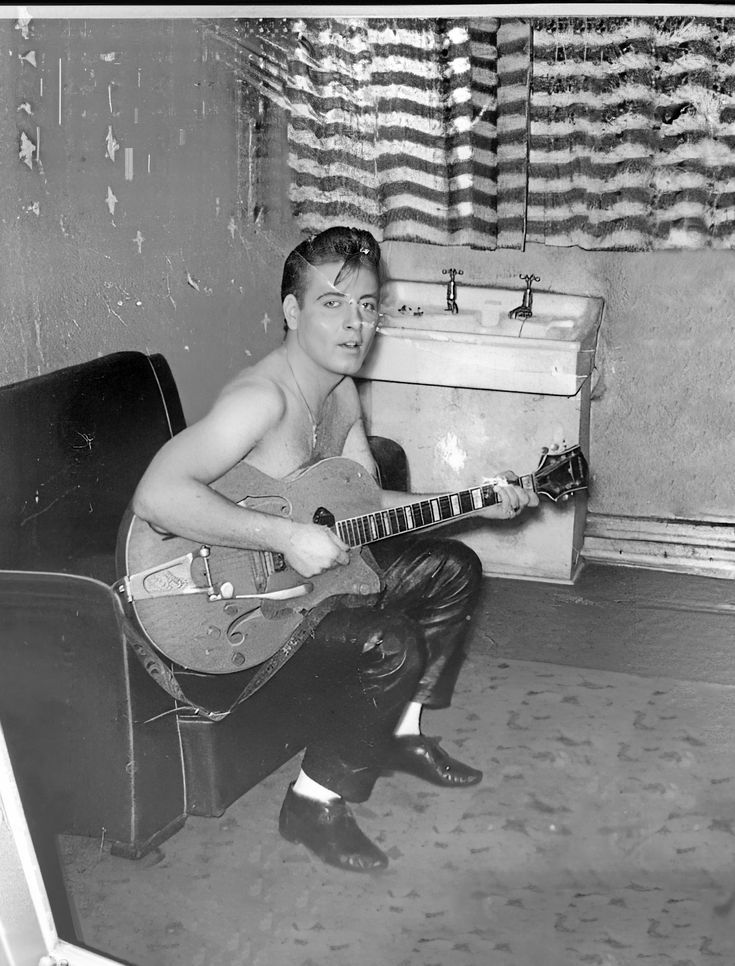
99	748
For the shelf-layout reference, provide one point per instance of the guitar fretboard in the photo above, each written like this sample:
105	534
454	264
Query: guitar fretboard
371	527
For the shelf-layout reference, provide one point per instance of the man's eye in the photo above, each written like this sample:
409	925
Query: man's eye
370	307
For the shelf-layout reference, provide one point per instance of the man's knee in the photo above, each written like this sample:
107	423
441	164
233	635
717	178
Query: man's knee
395	647
465	558
456	561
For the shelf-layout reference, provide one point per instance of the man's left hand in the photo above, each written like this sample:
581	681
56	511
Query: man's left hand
513	499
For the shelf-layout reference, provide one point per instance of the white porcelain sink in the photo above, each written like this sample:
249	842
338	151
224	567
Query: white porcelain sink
481	346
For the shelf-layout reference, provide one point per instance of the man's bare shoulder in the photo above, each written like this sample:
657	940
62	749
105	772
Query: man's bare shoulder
259	385
348	396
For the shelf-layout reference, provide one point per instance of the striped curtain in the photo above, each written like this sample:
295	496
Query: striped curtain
394	127
599	132
632	134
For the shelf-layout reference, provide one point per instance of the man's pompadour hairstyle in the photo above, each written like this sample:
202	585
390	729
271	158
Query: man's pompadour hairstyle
351	246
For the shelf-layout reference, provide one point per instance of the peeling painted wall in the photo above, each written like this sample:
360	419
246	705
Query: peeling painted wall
123	164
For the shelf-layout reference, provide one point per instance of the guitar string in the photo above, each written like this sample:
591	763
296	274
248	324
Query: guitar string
314	422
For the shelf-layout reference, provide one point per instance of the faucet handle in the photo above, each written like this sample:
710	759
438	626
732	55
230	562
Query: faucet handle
530	279
452	272
525	309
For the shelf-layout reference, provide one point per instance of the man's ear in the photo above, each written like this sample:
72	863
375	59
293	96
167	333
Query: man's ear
291	311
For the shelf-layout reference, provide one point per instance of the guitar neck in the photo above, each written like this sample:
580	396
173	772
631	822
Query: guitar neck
431	512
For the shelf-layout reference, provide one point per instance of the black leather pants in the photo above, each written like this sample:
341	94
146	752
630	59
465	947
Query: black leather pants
372	661
436	583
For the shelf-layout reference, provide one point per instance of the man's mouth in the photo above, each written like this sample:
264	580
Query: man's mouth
351	345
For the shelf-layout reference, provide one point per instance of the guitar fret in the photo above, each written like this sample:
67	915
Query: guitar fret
376	525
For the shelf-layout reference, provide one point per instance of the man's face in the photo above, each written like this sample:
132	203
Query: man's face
336	323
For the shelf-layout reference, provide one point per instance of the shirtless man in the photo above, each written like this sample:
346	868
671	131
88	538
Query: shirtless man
374	667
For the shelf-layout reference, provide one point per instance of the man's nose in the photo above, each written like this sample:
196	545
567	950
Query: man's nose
353	315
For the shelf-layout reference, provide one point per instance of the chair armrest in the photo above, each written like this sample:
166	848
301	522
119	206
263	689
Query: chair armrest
392	463
63	641
76	705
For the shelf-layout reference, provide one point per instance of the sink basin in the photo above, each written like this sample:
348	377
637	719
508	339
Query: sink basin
434	319
555	316
480	346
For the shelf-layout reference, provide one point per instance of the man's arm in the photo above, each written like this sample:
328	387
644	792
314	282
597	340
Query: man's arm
175	493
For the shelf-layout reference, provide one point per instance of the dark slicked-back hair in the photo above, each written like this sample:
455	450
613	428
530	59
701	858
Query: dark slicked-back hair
352	246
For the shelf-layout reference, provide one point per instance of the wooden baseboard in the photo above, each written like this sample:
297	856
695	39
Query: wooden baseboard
699	547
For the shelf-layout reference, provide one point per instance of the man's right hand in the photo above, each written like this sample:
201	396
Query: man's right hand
312	549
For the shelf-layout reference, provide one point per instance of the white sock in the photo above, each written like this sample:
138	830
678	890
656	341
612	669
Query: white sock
410	723
310	789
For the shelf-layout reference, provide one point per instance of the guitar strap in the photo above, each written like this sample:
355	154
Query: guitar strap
165	676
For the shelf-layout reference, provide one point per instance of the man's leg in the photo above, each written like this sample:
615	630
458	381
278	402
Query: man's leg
436	582
349	686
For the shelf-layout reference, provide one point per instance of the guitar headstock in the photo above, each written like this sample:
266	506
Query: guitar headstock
561	473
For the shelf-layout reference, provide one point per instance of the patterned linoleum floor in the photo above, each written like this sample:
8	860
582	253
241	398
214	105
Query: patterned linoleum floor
603	834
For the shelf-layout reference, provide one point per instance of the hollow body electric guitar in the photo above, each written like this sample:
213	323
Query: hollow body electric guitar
220	610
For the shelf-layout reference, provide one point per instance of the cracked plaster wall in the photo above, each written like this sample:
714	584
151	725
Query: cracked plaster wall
124	222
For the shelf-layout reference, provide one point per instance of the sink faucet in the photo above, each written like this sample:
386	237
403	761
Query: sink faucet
452	289
525	309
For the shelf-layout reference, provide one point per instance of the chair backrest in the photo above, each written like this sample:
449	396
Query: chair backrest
73	446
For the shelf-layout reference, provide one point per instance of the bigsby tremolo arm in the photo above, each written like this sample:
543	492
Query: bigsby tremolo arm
175	579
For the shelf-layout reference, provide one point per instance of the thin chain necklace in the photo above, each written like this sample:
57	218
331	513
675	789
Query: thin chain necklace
314	422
